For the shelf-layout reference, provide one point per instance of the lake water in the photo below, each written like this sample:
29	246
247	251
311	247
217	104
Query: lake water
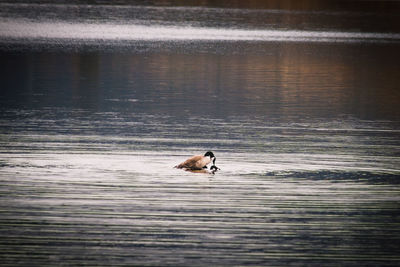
299	105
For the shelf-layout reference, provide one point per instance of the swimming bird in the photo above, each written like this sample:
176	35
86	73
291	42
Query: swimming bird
198	162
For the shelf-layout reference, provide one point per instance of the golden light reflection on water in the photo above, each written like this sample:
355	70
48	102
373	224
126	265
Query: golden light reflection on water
280	80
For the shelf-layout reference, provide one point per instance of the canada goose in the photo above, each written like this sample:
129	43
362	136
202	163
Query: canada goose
199	162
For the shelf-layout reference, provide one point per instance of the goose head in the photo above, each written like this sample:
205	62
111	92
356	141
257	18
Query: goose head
210	155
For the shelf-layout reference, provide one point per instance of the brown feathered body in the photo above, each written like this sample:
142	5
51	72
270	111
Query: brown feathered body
195	163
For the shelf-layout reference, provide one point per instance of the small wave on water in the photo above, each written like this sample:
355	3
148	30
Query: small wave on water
360	176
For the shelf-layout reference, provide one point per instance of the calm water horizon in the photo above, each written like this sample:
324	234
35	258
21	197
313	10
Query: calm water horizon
299	103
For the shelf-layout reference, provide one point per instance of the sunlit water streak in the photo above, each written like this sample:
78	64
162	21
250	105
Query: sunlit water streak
57	30
52	23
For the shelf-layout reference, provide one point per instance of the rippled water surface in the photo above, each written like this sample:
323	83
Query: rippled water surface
300	107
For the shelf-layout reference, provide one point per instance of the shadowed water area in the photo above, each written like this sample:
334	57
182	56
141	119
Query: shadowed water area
299	103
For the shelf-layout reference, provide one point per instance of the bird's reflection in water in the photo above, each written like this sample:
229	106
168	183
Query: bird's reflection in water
213	169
